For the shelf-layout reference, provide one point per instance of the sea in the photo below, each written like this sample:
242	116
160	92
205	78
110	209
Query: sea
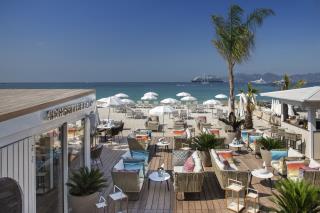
135	90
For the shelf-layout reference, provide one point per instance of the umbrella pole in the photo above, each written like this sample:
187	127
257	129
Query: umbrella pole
109	114
163	125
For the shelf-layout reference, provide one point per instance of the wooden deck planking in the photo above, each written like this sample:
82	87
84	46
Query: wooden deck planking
159	199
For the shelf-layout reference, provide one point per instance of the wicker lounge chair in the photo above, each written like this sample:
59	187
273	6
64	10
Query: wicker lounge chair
185	181
135	144
152	123
239	171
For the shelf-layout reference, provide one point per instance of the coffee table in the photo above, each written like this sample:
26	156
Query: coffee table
154	176
261	174
163	144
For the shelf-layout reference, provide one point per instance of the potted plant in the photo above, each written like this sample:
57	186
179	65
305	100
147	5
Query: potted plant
84	186
235	124
203	143
266	145
296	196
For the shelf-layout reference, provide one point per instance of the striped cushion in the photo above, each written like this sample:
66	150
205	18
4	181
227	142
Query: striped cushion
293	168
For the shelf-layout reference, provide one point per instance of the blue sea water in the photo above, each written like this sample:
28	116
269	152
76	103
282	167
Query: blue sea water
136	89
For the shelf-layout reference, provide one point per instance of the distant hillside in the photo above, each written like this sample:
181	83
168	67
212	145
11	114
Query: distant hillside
271	77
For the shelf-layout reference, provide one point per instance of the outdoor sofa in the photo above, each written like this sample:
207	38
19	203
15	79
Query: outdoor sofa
187	182
135	144
153	123
236	171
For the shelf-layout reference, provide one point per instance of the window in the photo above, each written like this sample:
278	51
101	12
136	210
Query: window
75	145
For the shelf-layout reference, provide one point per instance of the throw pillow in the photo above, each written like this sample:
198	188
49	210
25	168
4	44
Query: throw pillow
226	154
226	164
293	168
254	138
197	162
314	164
215	132
140	155
189	165
277	154
135	166
179	157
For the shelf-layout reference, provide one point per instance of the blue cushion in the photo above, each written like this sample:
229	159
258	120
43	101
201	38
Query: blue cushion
277	154
253	138
140	155
138	165
244	135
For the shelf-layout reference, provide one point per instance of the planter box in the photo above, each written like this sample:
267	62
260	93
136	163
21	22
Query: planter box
83	204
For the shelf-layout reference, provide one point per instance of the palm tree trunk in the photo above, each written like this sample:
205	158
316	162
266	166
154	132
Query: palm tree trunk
231	87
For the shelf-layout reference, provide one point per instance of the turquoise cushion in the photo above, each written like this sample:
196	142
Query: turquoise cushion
244	135
277	154
138	165
253	138
140	155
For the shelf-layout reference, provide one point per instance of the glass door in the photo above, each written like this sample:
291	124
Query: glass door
49	172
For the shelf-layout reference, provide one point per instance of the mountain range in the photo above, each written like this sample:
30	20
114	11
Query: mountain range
271	77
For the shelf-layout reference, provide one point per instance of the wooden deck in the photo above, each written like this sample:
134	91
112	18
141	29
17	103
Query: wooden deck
158	199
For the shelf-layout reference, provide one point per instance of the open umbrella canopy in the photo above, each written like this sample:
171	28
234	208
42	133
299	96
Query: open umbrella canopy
183	94
221	96
151	93
188	98
212	102
161	110
111	101
127	101
122	95
149	98
169	101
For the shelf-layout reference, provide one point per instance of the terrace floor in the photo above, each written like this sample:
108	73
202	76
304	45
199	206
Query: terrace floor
158	199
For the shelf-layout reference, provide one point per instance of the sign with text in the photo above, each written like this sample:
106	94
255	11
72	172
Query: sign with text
67	110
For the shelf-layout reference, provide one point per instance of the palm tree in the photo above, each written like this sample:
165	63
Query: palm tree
235	38
296	197
250	106
287	84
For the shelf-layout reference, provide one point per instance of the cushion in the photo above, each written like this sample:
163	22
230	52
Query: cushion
226	154
178	169
188	133
226	164
138	165
197	162
314	164
140	155
127	154
119	165
294	153
189	165
214	155
215	132
179	157
254	138
245	136
277	154
154	118
293	168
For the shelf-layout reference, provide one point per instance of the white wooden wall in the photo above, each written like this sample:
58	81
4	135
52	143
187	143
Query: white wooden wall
17	161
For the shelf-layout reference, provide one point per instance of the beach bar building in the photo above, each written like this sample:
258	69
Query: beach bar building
309	100
44	135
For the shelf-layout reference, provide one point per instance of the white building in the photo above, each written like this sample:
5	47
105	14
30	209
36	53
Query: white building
44	135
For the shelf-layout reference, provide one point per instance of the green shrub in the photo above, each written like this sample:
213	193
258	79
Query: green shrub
270	143
204	142
86	182
296	197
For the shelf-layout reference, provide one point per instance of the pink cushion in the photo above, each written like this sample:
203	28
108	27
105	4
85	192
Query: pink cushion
189	165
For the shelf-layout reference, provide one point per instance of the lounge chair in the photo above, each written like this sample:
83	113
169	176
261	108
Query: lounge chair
236	171
135	144
152	123
190	182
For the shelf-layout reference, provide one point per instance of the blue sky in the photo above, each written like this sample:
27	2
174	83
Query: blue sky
146	40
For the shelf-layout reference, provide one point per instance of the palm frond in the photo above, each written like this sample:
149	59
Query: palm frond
256	18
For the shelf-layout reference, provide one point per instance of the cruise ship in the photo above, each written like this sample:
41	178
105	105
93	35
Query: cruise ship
206	79
259	81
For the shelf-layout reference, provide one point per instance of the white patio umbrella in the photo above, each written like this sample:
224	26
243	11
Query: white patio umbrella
183	94
122	95
149	98
212	102
169	101
111	102
151	93
188	98
127	101
221	96
161	111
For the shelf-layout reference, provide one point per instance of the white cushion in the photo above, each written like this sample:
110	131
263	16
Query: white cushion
188	133
314	164
197	162
294	153
275	164
178	169
127	154
214	154
119	165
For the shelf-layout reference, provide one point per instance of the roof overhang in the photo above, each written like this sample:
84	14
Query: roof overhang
304	97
